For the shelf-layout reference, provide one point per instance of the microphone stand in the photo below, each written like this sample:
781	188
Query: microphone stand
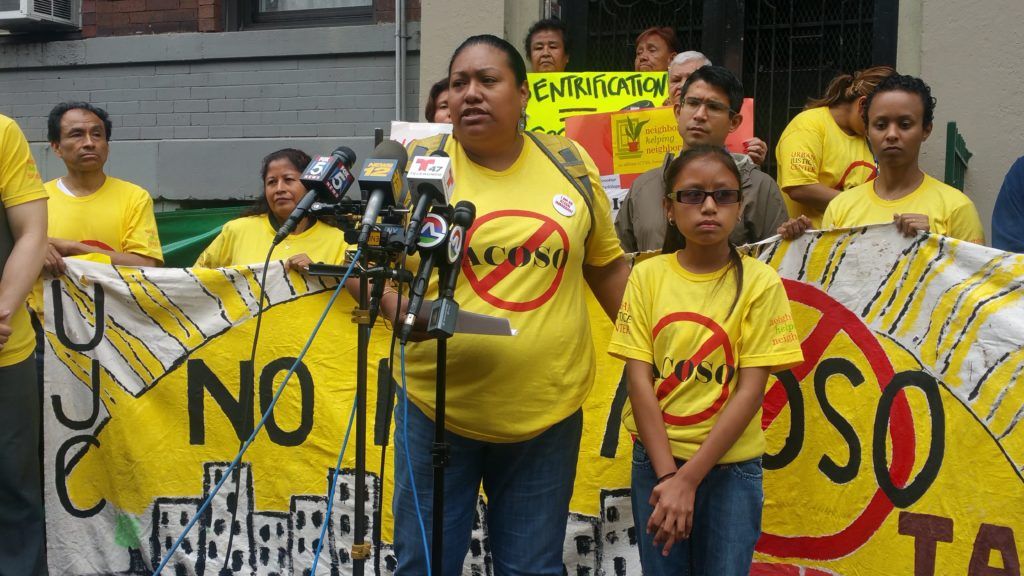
443	315
364	315
439	451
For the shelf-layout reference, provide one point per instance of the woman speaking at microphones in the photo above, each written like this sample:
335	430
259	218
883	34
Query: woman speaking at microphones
542	235
247	239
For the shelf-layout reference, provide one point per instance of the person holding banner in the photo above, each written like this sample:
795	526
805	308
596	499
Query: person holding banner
513	411
823	150
701	328
22	249
247	239
707	113
898	115
547	46
655	48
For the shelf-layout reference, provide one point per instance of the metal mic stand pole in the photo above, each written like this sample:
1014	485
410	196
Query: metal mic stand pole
443	315
362	315
439	452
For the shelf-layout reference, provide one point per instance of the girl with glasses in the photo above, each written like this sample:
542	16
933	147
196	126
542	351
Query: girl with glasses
700	328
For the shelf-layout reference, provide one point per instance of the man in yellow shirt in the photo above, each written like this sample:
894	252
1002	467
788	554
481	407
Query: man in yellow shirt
22	245
90	212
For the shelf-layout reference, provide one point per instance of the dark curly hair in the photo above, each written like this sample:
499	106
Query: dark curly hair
543	25
910	85
298	159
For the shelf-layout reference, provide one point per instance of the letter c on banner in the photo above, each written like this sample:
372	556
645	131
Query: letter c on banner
60	478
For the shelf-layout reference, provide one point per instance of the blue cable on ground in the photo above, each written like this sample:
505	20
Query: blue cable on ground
259	426
408	464
334	481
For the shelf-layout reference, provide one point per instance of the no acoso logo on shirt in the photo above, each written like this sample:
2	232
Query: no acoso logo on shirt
712	365
516	259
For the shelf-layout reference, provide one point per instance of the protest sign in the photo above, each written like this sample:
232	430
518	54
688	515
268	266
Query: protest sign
555	96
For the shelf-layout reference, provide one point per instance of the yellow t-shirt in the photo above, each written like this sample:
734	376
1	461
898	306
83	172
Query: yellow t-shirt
679	322
950	212
245	241
813	149
526	251
118	217
19	183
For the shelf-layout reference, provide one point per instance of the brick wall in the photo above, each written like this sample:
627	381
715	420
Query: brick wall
127	17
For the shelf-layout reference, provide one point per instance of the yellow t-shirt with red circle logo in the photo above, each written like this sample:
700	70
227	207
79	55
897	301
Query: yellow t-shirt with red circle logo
813	149
680	323
524	261
19	183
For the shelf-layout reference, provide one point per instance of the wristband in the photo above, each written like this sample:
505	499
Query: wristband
665	477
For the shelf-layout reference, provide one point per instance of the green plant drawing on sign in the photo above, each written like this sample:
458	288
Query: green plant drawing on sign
634	128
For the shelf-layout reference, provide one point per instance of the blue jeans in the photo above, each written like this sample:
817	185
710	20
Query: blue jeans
726	521
528	485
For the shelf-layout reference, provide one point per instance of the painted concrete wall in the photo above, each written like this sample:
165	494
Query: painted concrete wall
972	55
193	114
445	24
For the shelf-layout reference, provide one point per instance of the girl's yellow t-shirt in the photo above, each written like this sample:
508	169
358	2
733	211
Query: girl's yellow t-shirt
680	323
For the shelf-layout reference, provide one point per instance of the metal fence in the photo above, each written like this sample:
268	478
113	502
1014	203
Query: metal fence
790	49
793	48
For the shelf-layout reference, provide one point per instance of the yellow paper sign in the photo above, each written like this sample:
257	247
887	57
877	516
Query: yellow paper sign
555	96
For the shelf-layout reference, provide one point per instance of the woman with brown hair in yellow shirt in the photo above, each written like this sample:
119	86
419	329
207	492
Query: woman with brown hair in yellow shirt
823	150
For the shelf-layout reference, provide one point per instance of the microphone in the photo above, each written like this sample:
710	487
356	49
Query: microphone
330	175
432	238
462	220
295	217
325	175
430	183
444	312
379	180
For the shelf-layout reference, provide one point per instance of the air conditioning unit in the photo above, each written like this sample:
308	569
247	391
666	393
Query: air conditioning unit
36	15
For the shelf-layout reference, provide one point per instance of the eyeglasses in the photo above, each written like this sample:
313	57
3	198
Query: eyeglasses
714	107
695	196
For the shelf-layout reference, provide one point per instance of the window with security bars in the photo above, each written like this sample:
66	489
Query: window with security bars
793	48
613	25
